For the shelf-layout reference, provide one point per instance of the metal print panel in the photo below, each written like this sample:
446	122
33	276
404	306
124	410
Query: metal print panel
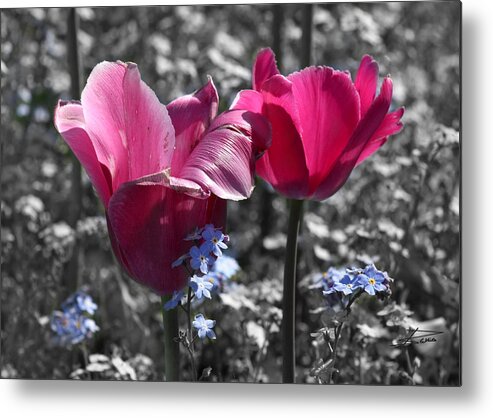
236	193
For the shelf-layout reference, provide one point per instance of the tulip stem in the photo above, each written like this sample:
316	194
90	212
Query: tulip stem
171	345
288	302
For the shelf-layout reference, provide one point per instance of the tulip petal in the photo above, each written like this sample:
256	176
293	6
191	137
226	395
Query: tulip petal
253	125
361	136
328	106
223	162
131	131
102	100
191	116
283	165
366	82
248	100
390	125
264	67
70	123
149	222
150	135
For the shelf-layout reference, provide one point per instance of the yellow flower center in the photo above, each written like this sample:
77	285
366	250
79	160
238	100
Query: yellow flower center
372	281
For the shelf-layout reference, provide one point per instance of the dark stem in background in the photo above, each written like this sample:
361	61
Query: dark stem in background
75	82
72	267
171	345
288	302
266	195
306	38
277	24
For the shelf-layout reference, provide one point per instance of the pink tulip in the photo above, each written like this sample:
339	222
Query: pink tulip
323	124
160	171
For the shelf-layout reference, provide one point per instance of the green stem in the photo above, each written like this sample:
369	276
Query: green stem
190	340
288	302
333	357
337	331
171	345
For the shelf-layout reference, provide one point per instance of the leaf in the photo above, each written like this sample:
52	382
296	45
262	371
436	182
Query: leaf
316	225
98	367
274	242
256	333
390	229
98	358
123	368
321	253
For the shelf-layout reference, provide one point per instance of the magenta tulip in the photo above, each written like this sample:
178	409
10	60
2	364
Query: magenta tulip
323	124
160	171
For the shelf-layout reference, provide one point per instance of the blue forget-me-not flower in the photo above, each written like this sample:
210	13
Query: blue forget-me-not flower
215	240
201	258
204	327
201	286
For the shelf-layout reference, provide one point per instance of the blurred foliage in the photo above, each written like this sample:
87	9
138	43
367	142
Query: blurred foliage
400	209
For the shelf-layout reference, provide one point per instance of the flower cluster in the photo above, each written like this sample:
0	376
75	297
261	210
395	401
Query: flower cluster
211	243
208	268
73	324
341	287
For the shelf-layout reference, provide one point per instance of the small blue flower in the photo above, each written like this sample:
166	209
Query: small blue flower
347	285
373	280
86	304
71	327
89	326
223	269
208	227
354	271
80	302
83	328
201	286
201	258
329	279
174	301
215	240
372	271
226	266
60	322
320	280
204	327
